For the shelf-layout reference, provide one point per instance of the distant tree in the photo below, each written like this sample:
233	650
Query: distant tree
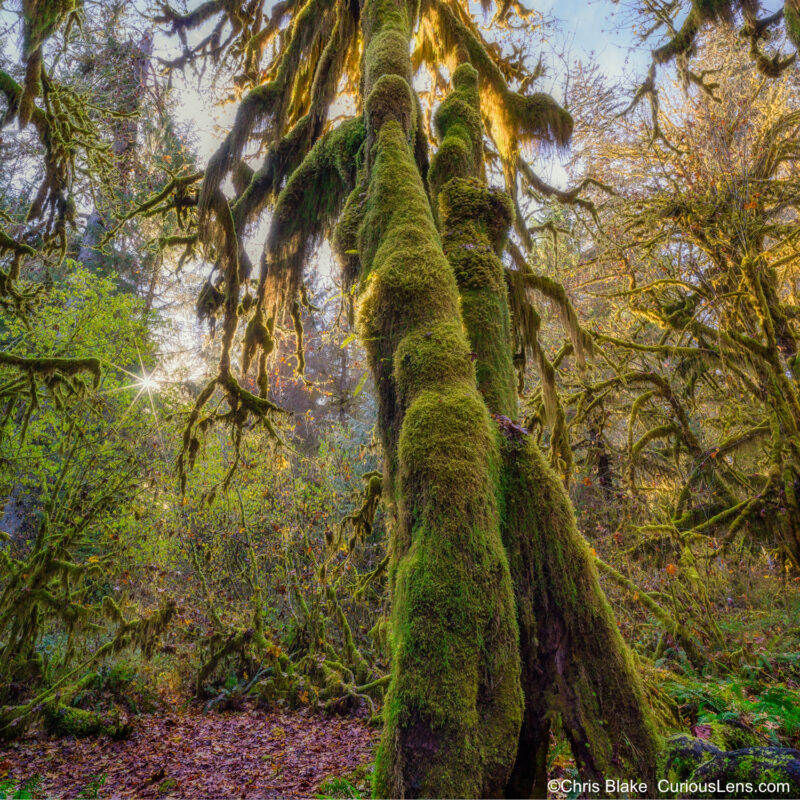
703	233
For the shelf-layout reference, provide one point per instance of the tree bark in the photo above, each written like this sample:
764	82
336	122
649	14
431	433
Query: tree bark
453	708
574	661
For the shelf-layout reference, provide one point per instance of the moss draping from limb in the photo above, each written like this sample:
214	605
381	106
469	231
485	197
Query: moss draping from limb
52	207
60	378
308	205
310	31
449	35
693	649
143	633
362	519
295	101
41	19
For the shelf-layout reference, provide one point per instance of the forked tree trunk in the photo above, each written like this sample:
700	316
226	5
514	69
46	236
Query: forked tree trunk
454	705
574	661
453	712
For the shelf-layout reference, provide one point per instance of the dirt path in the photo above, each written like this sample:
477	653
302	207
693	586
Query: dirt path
245	754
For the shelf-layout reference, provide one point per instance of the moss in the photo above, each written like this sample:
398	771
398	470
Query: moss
454	698
63	720
538	116
386	29
458	125
733	735
317	188
742	772
681	755
436	357
712	9
42	18
397	236
574	659
391	98
475	220
308	205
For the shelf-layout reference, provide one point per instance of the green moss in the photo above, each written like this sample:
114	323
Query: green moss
538	116
458	125
681	755
389	55
576	663
42	18
317	188
454	699
733	735
393	237
63	720
475	220
391	98
712	9
428	358
745	770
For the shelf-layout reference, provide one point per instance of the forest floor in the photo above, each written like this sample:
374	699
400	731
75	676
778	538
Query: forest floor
234	754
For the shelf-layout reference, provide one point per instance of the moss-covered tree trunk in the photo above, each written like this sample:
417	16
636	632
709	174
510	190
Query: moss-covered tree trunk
574	661
453	708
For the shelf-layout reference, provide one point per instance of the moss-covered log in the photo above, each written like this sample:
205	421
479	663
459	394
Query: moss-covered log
690	767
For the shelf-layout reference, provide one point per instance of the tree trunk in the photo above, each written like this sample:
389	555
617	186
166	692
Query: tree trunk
453	709
574	661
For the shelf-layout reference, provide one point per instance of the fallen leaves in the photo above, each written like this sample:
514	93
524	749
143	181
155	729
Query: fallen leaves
244	754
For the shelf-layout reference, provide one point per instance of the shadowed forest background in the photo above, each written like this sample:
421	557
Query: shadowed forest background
397	399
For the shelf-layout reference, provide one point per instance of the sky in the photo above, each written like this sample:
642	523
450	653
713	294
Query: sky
582	29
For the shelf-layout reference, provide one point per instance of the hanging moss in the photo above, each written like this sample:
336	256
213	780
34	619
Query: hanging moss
713	9
308	205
